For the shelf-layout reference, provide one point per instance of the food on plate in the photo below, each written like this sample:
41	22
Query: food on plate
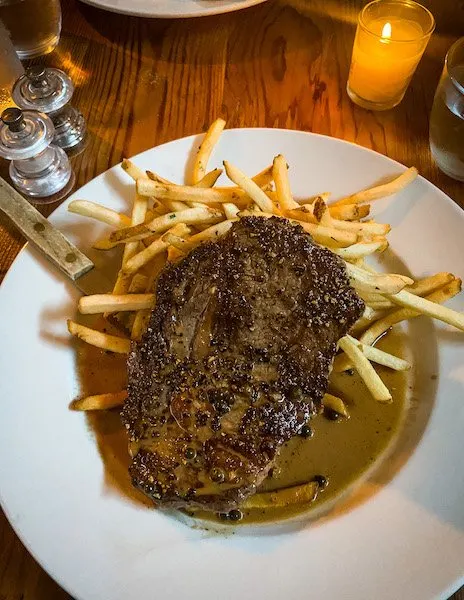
231	304
235	361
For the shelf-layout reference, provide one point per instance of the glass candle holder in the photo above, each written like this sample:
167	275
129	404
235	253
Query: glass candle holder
390	39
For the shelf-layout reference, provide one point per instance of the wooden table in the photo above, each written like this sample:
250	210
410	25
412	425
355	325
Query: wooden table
280	64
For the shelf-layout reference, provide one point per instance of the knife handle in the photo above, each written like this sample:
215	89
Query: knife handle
42	234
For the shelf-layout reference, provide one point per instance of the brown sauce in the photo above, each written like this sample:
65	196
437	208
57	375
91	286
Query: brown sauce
341	450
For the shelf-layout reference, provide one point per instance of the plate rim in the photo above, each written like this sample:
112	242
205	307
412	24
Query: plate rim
232	6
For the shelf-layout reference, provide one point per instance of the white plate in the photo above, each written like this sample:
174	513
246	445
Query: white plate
401	539
164	9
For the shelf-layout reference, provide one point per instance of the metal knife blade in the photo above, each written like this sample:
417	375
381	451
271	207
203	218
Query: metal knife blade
52	243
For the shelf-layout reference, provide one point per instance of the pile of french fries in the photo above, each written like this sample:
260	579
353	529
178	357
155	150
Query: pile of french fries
168	221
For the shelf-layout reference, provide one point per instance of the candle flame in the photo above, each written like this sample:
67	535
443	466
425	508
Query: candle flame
387	31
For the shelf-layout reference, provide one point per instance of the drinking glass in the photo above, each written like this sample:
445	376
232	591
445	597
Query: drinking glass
447	118
34	25
10	68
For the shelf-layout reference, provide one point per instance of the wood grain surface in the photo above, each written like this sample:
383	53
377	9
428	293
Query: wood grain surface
284	63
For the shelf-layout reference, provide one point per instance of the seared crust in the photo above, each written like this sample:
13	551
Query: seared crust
234	362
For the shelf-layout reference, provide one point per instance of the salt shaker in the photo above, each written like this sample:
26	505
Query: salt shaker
38	169
49	91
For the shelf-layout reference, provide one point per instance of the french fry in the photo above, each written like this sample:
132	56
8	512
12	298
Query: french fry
165	222
209	179
426	307
104	244
370	227
100	401
303	213
99	303
185	193
204	152
85	208
350	212
147	254
230	210
211	233
361	249
99	339
336	404
373	354
132	170
139	283
380	191
282	183
382	325
366	371
323	196
264	177
178	242
372	282
427	285
249	187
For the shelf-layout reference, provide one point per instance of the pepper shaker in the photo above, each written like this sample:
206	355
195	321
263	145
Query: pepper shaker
50	91
38	169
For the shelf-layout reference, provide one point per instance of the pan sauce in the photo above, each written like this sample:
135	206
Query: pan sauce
340	450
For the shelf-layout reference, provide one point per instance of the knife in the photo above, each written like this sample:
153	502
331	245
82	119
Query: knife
52	243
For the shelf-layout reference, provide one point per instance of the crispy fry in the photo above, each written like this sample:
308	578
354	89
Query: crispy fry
426	307
370	227
323	196
209	179
303	213
249	187
132	170
373	354
165	222
100	401
212	233
206	147
138	284
282	183
104	244
366	371
381	326
264	177
372	282
185	193
97	338
350	212
427	285
178	242
99	303
85	208
156	247
361	249
336	404
230	210
297	494
380	191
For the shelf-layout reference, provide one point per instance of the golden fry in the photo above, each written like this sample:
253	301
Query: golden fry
99	303
99	339
380	191
282	183
209	141
85	208
249	187
100	401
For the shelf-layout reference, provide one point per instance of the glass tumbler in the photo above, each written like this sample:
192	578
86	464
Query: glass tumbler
447	118
10	68
34	25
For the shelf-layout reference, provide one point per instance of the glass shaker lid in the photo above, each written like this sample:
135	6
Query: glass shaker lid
43	89
24	133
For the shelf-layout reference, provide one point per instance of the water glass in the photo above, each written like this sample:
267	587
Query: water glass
447	118
10	68
34	25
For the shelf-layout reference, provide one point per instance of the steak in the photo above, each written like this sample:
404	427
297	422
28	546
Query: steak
235	360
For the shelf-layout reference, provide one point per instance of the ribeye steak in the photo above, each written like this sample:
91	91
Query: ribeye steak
234	362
